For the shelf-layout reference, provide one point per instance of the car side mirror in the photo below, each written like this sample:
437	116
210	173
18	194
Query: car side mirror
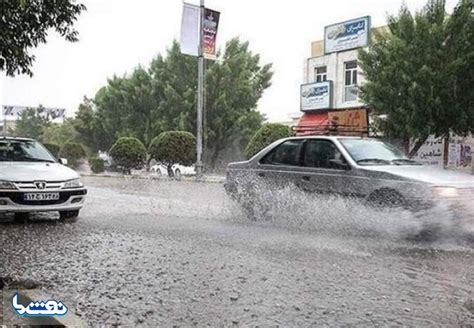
340	164
62	161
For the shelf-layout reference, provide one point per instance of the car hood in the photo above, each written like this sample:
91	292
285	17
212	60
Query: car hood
428	174
23	172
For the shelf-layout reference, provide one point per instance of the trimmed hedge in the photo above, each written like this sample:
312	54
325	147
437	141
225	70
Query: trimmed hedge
267	134
174	147
54	149
73	152
128	153
97	164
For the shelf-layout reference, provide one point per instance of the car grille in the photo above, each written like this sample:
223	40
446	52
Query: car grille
30	185
17	197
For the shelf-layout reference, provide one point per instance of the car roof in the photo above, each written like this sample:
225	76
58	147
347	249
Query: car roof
16	139
330	137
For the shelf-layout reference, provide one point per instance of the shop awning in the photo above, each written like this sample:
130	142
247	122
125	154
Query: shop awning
310	122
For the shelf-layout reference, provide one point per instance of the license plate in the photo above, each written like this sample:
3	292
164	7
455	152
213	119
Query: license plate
42	196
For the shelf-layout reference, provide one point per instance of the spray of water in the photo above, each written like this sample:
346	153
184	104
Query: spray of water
289	207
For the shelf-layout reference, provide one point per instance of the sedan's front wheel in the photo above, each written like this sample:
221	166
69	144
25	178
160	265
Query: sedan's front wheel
68	215
22	216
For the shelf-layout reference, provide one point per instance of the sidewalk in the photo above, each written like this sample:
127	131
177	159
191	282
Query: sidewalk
208	178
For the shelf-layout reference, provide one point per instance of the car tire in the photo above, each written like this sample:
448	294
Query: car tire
21	217
386	198
69	216
177	174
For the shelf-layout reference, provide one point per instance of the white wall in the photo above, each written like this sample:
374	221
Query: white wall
335	72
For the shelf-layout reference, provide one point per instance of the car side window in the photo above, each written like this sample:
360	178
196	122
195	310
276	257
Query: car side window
322	154
288	153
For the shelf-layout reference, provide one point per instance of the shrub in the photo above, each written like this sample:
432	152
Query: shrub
53	149
73	152
174	147
267	134
97	164
128	153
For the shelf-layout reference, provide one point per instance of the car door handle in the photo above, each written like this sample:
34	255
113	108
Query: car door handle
305	178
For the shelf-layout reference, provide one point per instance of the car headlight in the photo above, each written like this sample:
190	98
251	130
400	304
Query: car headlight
446	192
6	185
74	183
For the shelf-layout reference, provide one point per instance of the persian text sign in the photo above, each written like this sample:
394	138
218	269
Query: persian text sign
210	26
432	151
347	35
315	96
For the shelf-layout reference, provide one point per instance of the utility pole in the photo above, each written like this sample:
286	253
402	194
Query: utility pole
200	97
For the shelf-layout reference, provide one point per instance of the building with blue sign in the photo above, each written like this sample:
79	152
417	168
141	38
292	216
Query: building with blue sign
333	67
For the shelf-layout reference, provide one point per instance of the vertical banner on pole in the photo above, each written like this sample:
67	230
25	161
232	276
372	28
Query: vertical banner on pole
189	39
210	26
198	38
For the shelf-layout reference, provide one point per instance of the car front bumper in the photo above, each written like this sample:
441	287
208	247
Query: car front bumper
69	200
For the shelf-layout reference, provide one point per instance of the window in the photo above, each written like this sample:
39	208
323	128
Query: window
350	81
23	151
374	152
322	154
288	153
320	74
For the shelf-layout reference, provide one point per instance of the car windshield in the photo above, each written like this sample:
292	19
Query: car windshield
375	152
23	151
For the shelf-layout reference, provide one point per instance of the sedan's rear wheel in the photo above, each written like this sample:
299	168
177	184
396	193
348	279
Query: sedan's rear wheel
68	215
386	198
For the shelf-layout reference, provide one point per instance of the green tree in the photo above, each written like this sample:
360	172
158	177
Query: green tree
91	126
411	73
234	87
459	65
25	25
174	147
266	135
174	86
31	123
127	107
128	153
97	164
163	98
60	134
73	152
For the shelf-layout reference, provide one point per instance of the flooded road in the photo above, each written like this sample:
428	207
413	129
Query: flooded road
149	253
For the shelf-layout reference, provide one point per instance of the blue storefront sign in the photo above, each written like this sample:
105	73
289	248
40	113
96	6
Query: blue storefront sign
316	96
347	35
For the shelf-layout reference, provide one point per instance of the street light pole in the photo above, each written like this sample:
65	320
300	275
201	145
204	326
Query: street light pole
200	97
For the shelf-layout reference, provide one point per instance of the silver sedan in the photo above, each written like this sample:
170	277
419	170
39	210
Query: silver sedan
365	168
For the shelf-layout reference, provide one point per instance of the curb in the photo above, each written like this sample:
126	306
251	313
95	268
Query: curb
151	177
34	295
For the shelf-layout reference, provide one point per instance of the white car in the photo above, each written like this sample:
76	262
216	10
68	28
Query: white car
178	170
32	180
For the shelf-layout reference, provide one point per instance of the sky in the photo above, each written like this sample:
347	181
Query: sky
118	35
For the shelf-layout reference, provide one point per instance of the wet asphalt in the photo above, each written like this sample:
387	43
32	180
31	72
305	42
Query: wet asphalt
165	253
